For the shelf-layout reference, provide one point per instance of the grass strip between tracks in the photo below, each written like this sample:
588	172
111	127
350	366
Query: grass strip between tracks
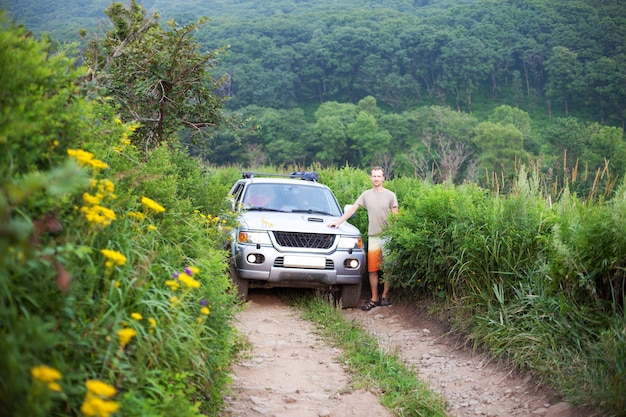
399	388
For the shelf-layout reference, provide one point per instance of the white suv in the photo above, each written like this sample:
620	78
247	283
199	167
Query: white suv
283	239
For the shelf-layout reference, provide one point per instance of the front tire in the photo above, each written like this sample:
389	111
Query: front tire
350	295
241	284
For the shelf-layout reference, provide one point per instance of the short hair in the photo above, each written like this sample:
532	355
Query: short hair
377	168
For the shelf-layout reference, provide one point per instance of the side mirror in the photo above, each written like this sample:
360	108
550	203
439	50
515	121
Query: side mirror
348	206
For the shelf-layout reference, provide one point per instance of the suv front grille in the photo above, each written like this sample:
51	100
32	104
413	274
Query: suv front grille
304	240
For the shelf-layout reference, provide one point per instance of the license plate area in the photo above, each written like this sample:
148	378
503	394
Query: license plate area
298	261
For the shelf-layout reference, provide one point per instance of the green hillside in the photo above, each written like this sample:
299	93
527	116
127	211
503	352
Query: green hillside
555	71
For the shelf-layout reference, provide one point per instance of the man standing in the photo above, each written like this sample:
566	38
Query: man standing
379	202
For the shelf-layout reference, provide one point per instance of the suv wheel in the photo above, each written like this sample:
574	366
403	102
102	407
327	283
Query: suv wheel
241	284
350	295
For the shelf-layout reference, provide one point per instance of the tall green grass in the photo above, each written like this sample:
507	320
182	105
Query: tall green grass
536	282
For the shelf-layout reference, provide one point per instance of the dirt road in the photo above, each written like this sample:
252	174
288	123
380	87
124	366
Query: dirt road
290	371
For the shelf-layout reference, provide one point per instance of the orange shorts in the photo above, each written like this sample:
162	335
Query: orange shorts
374	254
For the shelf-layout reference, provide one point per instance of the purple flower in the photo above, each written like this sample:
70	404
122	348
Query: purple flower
175	275
188	271
203	302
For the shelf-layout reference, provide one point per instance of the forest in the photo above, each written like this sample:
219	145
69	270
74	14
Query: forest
442	90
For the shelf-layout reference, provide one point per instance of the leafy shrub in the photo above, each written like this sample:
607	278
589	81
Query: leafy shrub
424	237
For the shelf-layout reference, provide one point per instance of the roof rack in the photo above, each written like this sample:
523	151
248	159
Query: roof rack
303	175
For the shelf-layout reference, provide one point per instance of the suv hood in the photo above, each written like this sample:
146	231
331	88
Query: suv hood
301	222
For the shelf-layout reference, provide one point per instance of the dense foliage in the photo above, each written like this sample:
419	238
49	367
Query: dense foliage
113	292
563	56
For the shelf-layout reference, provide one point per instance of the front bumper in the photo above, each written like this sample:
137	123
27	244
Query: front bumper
269	269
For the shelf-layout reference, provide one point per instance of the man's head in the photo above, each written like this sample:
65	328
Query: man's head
377	175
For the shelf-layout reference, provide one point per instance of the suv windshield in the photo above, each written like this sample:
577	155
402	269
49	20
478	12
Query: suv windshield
290	198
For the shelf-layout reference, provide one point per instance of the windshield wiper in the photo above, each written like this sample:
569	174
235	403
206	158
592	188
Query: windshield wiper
264	209
310	211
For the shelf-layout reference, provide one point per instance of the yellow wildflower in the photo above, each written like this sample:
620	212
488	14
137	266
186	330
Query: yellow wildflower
174	285
108	185
98	215
97	401
82	157
152	322
137	215
136	316
125	335
98	164
205	311
100	388
94	406
48	376
152	227
114	258
150	204
92	199
188	281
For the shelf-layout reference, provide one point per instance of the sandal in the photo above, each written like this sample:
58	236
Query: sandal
384	302
370	305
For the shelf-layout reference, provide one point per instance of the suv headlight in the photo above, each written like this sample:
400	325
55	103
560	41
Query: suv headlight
254	237
348	242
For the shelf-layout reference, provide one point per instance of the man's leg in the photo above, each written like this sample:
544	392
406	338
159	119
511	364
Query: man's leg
374	263
374	285
374	259
386	286
385	289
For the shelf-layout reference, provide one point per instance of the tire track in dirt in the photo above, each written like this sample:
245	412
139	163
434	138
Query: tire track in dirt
290	370
472	384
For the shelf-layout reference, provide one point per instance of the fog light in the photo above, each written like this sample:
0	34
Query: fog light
351	263
255	258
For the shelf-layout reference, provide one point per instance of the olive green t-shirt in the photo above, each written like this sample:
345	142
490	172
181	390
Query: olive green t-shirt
378	205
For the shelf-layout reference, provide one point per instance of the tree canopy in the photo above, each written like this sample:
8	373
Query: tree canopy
159	77
441	89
